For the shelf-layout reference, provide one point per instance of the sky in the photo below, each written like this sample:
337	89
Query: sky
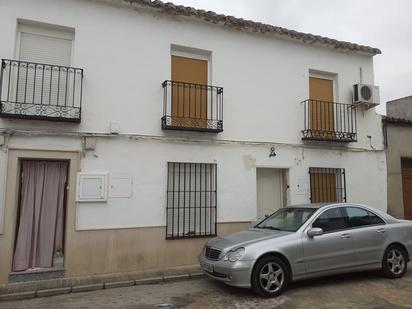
386	24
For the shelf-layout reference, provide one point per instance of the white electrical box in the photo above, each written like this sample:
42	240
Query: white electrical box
120	186
91	187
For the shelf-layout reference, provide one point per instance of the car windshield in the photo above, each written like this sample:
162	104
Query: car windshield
287	219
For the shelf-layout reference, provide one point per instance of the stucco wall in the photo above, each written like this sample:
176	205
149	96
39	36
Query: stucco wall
400	108
399	139
125	55
146	161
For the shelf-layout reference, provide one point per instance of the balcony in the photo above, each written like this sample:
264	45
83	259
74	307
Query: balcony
329	121
192	107
31	90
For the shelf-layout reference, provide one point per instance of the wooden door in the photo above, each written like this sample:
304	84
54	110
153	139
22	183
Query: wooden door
189	97
323	187
407	192
321	107
270	191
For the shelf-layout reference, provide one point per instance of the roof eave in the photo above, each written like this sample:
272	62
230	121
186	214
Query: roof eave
250	26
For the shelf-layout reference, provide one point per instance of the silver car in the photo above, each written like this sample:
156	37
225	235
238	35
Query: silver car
303	241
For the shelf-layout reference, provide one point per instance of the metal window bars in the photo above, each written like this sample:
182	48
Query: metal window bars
327	185
192	107
40	91
406	163
191	209
329	121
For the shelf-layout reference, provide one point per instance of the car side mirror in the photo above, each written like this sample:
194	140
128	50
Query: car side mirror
315	231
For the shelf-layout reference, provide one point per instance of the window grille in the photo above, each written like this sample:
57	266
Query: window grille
327	185
191	200
406	163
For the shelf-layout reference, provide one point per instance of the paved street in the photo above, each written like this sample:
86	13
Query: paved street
367	290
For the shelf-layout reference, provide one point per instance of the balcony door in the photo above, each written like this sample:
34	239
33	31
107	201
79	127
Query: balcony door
189	92
321	107
43	84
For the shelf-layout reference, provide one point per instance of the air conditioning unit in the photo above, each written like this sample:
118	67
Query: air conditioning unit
366	95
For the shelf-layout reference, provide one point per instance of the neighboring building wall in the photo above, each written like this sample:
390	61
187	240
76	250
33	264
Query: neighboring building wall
126	55
399	141
400	108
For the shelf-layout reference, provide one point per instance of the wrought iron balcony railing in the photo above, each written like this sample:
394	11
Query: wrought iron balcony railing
40	91
329	121
192	107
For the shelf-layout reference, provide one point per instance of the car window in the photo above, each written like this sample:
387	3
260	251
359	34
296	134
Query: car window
287	219
331	220
375	219
358	217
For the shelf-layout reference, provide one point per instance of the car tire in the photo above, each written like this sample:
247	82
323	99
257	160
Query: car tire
394	262
270	277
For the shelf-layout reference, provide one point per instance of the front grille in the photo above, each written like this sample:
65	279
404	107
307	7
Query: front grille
212	254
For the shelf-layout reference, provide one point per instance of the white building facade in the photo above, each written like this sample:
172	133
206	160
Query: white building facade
244	124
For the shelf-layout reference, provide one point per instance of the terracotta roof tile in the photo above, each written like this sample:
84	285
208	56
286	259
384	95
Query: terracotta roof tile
252	26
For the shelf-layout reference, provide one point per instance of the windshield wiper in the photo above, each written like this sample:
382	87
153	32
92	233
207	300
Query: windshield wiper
269	228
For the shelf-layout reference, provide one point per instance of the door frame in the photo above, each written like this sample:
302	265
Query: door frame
285	192
405	173
18	210
7	239
193	53
325	75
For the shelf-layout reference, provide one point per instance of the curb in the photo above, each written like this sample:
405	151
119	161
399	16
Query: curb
100	286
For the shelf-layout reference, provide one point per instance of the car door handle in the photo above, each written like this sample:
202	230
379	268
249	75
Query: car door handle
380	231
345	236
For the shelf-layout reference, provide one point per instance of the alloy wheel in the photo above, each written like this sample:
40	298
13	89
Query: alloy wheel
271	277
396	261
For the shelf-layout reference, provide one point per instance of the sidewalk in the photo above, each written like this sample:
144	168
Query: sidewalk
364	290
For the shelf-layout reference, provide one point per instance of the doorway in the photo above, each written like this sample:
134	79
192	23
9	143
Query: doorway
40	226
321	106
271	190
407	187
189	91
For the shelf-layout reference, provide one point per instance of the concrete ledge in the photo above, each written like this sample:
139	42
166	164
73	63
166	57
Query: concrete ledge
87	288
51	292
119	284
43	288
148	281
176	277
18	296
197	275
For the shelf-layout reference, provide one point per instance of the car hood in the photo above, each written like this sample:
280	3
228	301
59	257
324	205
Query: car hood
245	237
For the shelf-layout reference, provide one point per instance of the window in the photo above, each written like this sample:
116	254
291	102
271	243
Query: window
190	102
189	92
321	106
406	163
42	75
327	185
44	45
374	219
331	220
191	200
358	217
287	219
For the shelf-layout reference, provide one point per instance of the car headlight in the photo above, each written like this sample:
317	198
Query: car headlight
234	255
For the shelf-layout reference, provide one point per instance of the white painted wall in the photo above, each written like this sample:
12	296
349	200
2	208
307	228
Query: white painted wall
125	55
146	160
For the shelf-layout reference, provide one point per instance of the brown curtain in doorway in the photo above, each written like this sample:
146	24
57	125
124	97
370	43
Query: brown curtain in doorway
41	219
